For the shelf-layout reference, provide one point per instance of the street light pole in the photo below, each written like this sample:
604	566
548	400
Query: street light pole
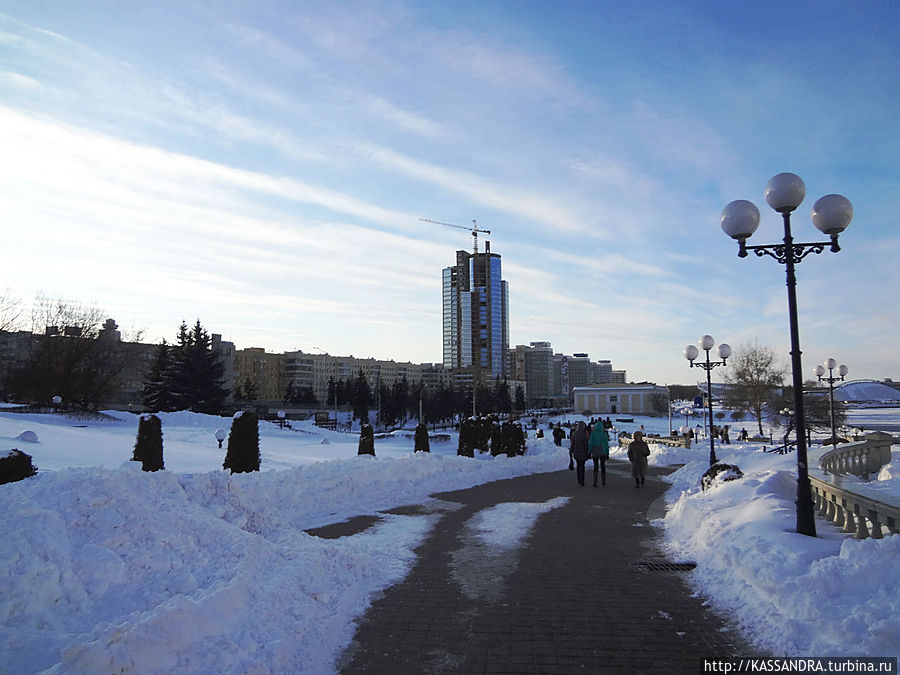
691	353
831	364
831	214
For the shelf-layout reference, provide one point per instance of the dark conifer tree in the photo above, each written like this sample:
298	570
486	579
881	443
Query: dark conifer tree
156	393
242	455
520	398
359	397
420	439
148	450
197	382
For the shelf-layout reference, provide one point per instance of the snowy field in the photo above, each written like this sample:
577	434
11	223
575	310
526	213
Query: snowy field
107	568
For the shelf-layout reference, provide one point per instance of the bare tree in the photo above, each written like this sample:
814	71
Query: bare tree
71	355
755	377
10	311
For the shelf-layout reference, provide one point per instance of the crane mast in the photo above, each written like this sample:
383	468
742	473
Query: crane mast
474	229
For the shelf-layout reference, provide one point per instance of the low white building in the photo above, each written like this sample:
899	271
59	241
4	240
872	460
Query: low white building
615	399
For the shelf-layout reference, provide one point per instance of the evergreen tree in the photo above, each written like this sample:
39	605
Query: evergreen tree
520	398
148	450
290	393
156	393
198	372
501	396
242	455
420	439
250	393
359	397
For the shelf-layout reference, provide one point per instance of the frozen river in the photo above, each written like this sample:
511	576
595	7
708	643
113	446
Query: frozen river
875	419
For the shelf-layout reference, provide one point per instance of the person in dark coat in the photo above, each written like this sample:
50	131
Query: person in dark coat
558	434
638	452
578	449
598	446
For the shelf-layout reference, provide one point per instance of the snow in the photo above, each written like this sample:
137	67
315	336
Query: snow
866	391
107	568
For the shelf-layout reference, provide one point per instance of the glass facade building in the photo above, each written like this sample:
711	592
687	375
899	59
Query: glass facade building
475	314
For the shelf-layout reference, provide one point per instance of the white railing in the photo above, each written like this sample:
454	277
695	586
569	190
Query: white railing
845	500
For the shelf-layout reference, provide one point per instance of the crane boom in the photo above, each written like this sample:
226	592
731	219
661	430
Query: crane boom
474	229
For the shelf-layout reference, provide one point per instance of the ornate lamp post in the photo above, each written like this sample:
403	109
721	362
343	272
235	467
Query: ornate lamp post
220	435
691	353
831	364
830	214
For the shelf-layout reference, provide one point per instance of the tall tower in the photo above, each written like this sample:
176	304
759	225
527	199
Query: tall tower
476	315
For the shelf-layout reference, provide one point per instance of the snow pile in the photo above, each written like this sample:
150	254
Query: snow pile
790	594
107	568
113	570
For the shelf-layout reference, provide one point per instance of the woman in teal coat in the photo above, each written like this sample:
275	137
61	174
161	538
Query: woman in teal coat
598	446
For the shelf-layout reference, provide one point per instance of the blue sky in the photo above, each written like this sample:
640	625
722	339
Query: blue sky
263	167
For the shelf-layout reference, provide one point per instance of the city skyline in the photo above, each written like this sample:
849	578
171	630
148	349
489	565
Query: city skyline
265	169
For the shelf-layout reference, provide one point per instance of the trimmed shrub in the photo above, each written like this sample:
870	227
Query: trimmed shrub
720	473
420	443
16	466
366	440
242	455
148	449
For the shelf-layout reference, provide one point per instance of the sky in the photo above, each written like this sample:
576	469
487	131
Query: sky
224	578
264	167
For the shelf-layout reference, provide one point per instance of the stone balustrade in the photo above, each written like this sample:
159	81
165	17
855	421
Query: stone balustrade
847	502
860	459
676	441
857	514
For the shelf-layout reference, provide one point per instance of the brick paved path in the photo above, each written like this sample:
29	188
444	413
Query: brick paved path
573	599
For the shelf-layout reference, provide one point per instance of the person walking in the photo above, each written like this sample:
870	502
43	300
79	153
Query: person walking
598	446
638	452
578	449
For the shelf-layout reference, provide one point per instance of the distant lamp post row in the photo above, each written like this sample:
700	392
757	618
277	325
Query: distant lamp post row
831	364
831	215
691	353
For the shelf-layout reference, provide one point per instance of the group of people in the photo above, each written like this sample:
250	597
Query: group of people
592	442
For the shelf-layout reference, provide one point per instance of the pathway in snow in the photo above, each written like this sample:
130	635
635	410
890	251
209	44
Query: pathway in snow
538	574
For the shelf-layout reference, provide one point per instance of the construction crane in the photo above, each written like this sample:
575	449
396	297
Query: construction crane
474	229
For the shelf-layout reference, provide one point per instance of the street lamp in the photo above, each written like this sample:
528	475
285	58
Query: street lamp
220	435
690	353
831	364
831	214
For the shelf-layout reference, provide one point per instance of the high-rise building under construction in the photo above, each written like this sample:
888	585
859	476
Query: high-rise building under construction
476	314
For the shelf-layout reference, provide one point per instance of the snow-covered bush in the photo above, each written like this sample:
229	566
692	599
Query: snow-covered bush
16	465
719	473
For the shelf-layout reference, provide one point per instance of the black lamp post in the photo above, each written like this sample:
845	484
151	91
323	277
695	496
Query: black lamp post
830	214
831	364
691	353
